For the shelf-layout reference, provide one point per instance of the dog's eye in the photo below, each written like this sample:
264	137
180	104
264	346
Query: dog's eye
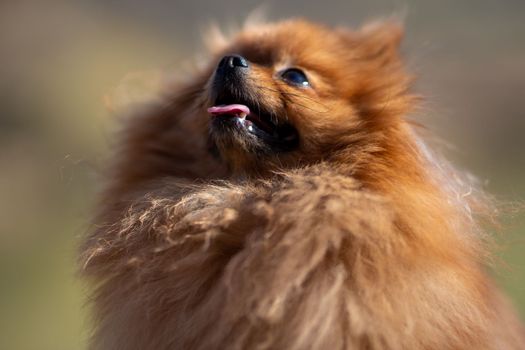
295	76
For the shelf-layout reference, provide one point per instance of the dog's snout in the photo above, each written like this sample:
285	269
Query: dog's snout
230	74
232	62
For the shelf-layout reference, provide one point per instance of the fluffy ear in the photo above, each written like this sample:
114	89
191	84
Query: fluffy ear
378	39
215	39
385	35
383	91
256	18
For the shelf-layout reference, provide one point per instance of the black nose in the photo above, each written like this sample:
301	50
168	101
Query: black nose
232	62
230	75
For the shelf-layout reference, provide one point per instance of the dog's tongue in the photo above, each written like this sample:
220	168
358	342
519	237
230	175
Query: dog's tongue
235	109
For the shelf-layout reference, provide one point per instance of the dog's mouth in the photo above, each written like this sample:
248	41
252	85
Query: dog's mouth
256	122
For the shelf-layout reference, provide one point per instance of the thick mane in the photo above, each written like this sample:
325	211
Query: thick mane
373	242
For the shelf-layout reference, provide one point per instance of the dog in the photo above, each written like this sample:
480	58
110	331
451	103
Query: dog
281	199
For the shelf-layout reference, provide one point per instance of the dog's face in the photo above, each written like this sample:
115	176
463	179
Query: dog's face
295	93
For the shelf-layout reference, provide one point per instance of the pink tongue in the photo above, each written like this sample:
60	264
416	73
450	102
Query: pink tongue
235	109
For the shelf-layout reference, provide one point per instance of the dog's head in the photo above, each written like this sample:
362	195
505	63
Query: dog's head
293	93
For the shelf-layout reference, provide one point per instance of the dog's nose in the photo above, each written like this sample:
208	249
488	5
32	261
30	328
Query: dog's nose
232	62
230	75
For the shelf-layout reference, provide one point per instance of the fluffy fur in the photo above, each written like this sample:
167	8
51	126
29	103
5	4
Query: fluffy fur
357	239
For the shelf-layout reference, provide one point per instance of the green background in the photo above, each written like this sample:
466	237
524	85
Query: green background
64	64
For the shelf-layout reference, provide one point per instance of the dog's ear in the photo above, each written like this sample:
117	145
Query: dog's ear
378	39
383	92
215	39
385	35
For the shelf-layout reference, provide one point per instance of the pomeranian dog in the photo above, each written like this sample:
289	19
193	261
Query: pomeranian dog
280	199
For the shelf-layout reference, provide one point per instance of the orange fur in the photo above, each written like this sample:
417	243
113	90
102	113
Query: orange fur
358	239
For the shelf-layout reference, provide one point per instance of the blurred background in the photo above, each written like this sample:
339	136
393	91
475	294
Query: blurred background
63	63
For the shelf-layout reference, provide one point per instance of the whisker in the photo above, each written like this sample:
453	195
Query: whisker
283	92
288	94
